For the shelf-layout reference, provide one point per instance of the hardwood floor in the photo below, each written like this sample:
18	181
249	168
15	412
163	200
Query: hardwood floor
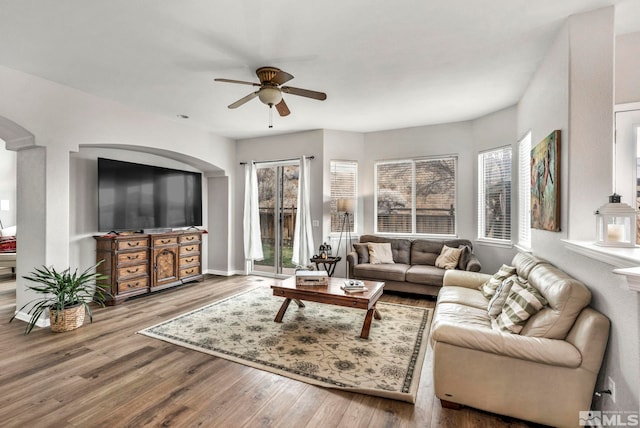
105	375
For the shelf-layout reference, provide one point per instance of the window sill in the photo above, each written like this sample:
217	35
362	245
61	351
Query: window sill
626	260
493	243
619	257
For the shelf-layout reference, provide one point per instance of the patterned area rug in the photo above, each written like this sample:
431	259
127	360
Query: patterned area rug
317	344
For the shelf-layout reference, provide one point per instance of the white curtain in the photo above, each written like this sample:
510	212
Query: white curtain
251	221
303	235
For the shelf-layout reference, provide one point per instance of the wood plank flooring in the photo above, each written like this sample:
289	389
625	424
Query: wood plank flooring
106	375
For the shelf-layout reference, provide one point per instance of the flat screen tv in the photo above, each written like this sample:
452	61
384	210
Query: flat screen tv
134	197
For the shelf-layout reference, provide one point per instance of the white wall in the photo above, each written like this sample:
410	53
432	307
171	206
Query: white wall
62	120
573	91
627	66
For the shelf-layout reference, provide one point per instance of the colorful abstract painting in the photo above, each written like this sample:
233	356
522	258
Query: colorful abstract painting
545	183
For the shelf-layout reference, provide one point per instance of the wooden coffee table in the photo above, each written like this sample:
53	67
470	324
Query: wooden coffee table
331	294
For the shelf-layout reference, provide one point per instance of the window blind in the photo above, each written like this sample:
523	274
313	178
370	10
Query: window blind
416	196
344	182
494	194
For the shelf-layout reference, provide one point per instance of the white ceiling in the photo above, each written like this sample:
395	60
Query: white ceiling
383	65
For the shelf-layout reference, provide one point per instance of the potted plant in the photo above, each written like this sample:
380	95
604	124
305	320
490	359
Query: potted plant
65	295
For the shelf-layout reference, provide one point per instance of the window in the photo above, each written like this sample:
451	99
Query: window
416	196
524	191
344	185
494	194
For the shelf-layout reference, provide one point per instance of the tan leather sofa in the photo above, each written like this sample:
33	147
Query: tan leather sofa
546	374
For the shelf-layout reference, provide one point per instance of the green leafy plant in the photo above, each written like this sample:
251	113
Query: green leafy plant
61	290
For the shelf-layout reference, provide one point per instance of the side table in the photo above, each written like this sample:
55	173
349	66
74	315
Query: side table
328	263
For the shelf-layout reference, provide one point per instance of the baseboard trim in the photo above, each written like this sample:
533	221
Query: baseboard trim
26	317
223	273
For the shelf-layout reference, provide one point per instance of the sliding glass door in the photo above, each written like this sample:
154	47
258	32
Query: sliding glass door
278	199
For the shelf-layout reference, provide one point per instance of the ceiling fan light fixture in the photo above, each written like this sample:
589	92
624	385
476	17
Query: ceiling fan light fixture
270	96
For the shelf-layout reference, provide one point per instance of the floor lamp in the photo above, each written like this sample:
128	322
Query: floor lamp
345	206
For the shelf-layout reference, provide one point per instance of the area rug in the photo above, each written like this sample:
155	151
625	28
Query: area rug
319	344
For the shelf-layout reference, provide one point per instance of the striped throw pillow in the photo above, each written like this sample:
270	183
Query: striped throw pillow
497	301
523	301
491	285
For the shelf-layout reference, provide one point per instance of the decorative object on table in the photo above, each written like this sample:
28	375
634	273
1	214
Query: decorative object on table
317	344
353	286
545	184
65	295
328	263
322	251
345	206
327	248
312	277
616	224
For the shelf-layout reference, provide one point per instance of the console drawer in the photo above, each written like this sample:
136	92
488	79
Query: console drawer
189	260
167	240
133	257
186	250
185	239
132	243
189	271
132	271
132	285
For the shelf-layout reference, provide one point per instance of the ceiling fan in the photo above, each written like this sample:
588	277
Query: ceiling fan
270	92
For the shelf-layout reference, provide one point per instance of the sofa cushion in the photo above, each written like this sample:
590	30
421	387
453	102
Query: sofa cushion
491	285
458	314
425	274
425	252
399	247
363	252
566	298
500	297
380	253
524	263
462	295
449	257
523	302
386	272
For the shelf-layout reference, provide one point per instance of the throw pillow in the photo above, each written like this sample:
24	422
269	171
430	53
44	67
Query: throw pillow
497	301
380	253
363	252
464	257
522	302
491	285
449	257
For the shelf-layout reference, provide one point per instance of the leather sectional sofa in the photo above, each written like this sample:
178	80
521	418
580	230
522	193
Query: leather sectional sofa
545	374
413	270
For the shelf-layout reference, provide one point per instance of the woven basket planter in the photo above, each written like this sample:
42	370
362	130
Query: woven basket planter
69	319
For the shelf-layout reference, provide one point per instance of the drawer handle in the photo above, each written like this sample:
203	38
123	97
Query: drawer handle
165	241
133	257
189	238
133	244
189	271
190	248
133	271
189	260
133	285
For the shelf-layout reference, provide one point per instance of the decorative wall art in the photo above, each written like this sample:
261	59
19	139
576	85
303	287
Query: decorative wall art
545	183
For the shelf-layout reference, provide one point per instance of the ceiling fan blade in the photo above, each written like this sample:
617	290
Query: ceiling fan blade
242	82
281	77
283	109
241	101
304	93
